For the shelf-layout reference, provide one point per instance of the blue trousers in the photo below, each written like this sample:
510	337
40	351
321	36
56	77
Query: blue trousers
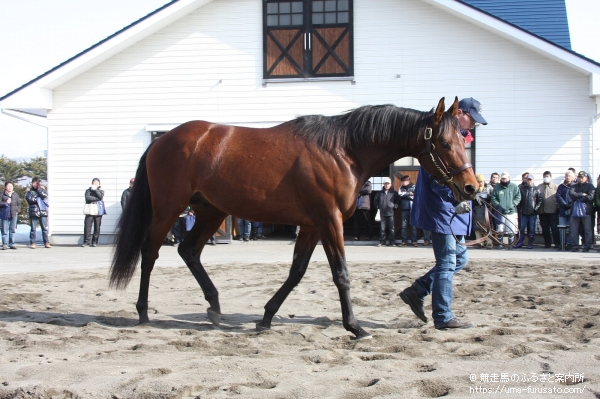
43	221
244	227
9	227
528	221
450	258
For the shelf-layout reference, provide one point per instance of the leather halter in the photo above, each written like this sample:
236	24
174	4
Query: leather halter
446	173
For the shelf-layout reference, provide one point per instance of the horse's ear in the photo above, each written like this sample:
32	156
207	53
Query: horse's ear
454	107
439	111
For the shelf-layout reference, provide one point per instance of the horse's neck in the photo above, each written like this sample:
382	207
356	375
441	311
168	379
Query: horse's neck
373	159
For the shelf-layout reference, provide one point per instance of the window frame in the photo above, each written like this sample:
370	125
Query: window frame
308	34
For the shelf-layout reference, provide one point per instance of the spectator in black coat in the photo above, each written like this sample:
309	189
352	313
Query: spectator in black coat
564	205
126	194
406	195
583	191
37	199
386	201
363	211
531	200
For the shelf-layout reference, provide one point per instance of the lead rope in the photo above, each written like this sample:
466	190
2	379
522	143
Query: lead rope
488	230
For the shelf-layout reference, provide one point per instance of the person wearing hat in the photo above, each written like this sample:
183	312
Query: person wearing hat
435	209
548	212
584	192
531	201
386	201
126	193
505	198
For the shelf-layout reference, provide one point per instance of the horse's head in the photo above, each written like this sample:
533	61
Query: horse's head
444	155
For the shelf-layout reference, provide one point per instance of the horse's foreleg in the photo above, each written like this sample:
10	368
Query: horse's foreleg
305	245
332	236
208	220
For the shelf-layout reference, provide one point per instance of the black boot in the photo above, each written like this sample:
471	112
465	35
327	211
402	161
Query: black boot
531	240
254	233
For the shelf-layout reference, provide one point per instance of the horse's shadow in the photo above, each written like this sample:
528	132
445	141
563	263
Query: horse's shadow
234	322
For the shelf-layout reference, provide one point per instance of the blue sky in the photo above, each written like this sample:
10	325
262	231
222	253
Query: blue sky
40	34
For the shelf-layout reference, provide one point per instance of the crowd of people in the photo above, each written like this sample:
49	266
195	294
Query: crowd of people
570	205
513	210
10	206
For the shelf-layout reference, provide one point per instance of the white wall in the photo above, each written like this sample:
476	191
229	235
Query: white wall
539	112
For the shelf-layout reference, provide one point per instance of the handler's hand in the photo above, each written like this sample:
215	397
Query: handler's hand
462	207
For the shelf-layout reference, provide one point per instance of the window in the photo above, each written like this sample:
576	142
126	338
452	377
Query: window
307	39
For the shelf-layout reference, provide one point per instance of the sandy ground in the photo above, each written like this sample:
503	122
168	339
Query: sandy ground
63	334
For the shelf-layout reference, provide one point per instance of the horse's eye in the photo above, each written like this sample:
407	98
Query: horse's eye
446	145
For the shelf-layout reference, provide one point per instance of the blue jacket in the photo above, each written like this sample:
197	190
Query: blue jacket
564	200
433	207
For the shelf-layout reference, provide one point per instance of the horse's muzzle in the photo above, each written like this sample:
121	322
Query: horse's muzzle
469	189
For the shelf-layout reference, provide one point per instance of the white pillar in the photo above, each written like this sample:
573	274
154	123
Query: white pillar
596	142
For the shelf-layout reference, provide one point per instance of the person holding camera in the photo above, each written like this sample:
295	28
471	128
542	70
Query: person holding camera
93	196
37	199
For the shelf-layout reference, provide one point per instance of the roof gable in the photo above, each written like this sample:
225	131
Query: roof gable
544	18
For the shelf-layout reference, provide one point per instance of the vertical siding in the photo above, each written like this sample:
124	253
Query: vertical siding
538	110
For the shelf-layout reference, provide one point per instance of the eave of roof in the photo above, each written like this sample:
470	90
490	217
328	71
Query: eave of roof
530	33
545	18
518	35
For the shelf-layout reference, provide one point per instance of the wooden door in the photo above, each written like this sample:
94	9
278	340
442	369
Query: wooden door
285	53
224	231
307	39
331	51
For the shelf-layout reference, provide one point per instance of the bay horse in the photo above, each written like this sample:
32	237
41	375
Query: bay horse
304	172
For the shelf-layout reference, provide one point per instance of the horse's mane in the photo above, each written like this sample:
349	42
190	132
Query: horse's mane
365	126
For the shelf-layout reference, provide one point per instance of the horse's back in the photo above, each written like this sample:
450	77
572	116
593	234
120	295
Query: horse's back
266	174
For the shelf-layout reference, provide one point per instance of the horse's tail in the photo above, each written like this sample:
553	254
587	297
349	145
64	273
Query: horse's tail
132	230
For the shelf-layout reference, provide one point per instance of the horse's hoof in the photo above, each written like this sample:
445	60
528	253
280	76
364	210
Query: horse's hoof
214	317
362	334
260	327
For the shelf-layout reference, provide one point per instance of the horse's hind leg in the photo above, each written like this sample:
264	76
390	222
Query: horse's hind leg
332	236
158	232
208	220
305	245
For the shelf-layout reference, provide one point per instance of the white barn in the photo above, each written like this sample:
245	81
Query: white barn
224	61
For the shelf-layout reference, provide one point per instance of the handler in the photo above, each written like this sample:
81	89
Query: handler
433	208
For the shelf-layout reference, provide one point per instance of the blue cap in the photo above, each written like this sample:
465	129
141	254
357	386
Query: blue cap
473	108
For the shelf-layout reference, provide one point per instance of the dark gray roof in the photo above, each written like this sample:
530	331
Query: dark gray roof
544	18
